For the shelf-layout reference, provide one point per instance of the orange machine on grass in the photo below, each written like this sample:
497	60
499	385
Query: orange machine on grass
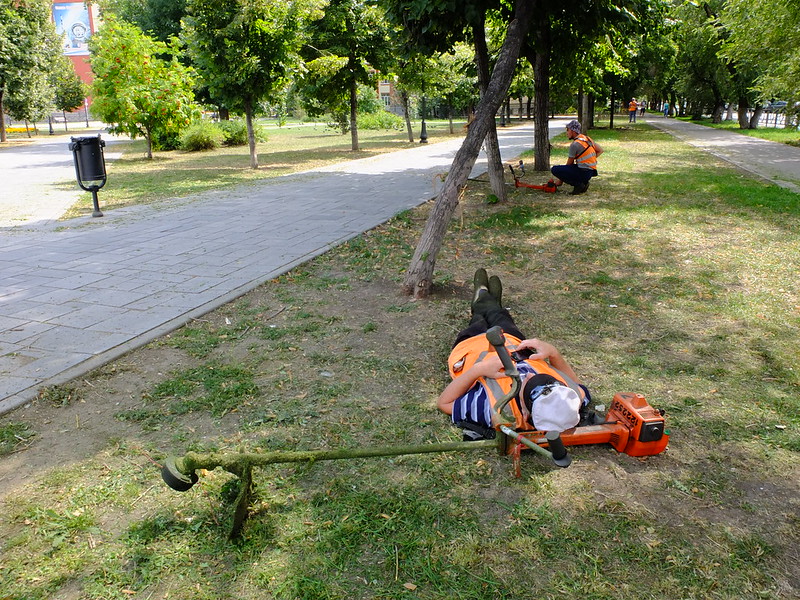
550	187
631	426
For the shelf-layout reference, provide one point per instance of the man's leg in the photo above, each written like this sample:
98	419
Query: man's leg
574	176
477	326
492	313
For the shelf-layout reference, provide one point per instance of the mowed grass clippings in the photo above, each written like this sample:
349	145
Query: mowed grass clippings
674	277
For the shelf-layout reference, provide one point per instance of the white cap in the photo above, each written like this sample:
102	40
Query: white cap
556	409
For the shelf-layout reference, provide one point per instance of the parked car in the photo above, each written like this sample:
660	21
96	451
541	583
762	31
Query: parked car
777	106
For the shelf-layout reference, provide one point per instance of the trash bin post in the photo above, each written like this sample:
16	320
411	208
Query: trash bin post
90	166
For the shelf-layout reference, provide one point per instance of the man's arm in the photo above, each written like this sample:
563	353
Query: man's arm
548	352
490	367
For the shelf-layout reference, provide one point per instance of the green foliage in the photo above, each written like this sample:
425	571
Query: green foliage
69	89
381	120
244	49
235	132
202	135
29	48
160	19
770	42
137	91
347	44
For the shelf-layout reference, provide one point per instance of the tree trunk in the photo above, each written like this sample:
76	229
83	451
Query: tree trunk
419	277
494	161
611	110
528	107
741	112
148	136
354	115
716	115
450	115
3	136
586	122
251	134
541	86
755	117
406	116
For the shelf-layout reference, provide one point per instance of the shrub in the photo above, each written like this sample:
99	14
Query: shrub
163	140
380	120
235	132
202	135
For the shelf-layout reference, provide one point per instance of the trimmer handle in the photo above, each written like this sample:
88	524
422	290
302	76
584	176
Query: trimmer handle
498	340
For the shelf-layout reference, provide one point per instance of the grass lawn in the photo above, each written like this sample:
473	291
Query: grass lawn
675	276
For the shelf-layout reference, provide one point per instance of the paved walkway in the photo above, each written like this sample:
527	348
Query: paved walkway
38	176
77	295
777	163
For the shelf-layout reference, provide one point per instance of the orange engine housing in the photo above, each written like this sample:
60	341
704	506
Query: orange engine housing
632	427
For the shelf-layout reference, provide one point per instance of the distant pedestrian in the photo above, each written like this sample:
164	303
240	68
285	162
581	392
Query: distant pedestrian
642	107
666	109
632	108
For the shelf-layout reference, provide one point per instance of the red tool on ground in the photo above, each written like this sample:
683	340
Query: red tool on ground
550	187
631	426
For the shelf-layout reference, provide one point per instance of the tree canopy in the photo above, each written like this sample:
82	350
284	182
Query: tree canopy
137	91
29	48
246	50
349	44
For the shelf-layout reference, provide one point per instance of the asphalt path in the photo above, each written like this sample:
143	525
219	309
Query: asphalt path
774	162
37	177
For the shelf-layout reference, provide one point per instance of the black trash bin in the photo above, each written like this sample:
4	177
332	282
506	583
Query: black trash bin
90	165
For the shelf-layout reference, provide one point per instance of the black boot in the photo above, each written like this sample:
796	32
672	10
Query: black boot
496	289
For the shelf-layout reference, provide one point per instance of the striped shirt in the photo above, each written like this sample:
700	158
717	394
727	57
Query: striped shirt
474	405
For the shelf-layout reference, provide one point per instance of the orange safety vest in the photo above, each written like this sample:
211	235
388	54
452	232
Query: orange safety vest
588	156
475	349
632	106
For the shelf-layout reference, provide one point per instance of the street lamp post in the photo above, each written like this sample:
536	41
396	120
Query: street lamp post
423	134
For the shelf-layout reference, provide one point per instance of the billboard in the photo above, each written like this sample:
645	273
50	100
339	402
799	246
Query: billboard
72	24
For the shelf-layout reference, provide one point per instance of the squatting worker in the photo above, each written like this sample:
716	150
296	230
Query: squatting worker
582	162
551	398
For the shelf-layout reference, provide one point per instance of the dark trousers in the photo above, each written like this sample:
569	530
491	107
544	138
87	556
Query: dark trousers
573	174
486	313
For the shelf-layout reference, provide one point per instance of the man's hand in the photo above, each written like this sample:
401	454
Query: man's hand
541	350
491	367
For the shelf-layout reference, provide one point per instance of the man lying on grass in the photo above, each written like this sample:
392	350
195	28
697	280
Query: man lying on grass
551	396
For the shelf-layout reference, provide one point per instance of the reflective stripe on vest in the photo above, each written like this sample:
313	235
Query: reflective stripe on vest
588	156
475	349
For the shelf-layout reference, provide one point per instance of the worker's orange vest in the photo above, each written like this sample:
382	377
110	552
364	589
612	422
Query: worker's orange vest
588	156
475	349
632	106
